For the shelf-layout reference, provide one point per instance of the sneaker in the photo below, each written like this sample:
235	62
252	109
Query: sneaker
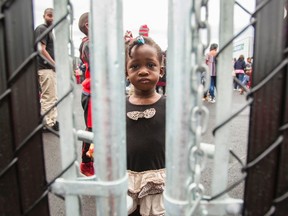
87	169
212	100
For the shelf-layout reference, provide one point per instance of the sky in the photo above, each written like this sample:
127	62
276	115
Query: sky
154	13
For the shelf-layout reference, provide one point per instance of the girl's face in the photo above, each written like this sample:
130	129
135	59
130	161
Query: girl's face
144	68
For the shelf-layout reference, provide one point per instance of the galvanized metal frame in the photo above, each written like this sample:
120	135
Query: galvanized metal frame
224	98
108	81
107	67
110	139
65	108
178	137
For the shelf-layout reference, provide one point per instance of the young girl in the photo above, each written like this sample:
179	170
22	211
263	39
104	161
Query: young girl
145	122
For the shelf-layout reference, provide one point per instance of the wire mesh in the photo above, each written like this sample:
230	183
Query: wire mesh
21	147
250	97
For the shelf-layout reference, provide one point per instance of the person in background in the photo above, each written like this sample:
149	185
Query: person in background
247	76
162	81
145	128
239	67
47	74
144	30
86	166
82	67
211	62
248	63
128	36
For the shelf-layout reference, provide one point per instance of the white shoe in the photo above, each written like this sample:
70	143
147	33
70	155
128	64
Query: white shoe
212	100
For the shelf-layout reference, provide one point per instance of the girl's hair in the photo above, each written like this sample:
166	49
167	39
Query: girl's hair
82	21
139	41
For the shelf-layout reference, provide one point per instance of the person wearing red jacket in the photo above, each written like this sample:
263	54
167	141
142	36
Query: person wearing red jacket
86	166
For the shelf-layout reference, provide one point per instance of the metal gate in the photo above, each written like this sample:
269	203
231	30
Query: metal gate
23	186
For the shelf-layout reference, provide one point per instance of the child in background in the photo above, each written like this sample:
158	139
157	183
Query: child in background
86	167
145	124
162	81
128	37
247	76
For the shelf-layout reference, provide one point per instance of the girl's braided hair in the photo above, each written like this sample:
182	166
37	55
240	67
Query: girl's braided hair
139	41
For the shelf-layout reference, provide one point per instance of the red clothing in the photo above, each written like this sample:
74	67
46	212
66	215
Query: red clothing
84	56
86	86
161	83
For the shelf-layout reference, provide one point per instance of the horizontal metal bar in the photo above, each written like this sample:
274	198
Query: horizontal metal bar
85	136
228	206
174	206
93	188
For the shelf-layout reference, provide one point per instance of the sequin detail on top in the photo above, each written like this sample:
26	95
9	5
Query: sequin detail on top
135	115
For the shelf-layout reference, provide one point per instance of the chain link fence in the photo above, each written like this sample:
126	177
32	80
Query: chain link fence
23	186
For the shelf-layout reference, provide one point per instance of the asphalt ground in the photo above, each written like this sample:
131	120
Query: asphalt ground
239	135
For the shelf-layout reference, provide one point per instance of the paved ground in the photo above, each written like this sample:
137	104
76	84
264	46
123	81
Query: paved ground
239	131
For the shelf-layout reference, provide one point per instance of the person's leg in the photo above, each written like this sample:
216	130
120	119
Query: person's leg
136	212
241	77
164	89
85	149
157	88
48	97
86	167
235	83
212	85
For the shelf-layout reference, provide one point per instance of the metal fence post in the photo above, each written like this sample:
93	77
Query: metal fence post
65	108
224	98
108	99
179	103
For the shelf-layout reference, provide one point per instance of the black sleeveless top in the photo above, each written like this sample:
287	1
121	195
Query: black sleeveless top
146	137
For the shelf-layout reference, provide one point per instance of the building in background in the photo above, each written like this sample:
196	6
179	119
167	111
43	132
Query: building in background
244	47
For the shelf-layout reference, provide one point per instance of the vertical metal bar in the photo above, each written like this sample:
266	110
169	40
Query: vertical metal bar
179	103
108	99
65	108
224	98
265	116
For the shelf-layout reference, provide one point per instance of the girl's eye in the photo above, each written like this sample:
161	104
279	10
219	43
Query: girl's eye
151	65
134	67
